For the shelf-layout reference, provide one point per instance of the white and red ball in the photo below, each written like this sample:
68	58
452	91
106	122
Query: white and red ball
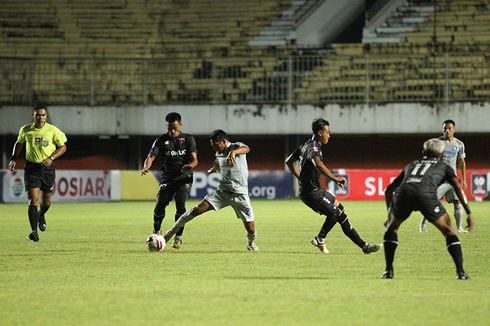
155	242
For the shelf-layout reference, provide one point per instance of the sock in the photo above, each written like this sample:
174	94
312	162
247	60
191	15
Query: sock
326	227
33	217
349	231
251	237
455	250
44	209
389	244
184	218
458	215
179	233
422	220
157	222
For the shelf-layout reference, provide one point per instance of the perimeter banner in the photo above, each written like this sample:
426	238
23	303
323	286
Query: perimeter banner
371	184
70	185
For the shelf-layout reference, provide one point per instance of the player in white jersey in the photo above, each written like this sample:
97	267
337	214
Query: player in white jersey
453	155
231	162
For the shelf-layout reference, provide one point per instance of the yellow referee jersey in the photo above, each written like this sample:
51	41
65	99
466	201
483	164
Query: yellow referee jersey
40	143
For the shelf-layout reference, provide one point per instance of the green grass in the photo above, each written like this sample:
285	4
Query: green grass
91	267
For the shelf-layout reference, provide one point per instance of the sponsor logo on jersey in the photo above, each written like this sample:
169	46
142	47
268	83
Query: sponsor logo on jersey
176	153
37	140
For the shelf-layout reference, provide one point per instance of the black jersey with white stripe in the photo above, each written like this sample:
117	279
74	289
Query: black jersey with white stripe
309	178
422	177
176	152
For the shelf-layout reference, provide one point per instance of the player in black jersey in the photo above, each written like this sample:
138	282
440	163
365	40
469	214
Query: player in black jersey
314	196
415	189
179	159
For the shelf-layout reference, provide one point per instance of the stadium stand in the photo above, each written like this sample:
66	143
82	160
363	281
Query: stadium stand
155	52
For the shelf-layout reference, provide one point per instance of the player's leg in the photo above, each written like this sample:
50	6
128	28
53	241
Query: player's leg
390	243
243	210
32	181
201	208
181	196
321	201
164	196
443	223
458	216
45	205
423	224
48	176
33	195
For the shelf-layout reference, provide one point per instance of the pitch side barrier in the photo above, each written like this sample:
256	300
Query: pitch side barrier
115	185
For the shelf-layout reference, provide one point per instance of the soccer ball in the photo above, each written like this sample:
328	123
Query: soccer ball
155	242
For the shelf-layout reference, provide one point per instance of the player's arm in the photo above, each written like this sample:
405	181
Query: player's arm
453	181
242	149
462	166
391	188
147	164
326	172
57	153
291	163
214	168
15	154
192	164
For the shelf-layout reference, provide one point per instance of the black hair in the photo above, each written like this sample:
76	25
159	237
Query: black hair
449	121
173	116
218	135
39	106
318	124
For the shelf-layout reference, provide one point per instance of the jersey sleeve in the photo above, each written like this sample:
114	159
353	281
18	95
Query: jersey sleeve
59	137
398	180
295	155
155	148
449	172
461	152
21	138
191	144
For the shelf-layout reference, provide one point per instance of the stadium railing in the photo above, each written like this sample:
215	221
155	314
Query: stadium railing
355	74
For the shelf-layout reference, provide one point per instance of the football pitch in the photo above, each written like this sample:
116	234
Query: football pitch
92	267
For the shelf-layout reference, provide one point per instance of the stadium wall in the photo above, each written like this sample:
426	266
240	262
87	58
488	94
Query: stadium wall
394	118
98	185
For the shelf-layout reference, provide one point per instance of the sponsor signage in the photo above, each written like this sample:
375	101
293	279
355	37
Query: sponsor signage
70	185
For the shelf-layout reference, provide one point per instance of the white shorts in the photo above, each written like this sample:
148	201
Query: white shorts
447	190
240	203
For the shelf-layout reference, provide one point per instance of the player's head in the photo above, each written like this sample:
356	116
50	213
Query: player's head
321	130
448	128
39	114
433	148
218	140
174	123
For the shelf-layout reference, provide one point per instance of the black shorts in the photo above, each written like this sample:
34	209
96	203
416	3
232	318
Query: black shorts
402	205
321	201
39	176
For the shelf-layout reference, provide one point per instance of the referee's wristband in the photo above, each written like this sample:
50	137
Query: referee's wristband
51	158
13	158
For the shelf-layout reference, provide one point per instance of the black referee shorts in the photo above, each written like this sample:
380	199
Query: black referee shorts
39	176
402	205
321	201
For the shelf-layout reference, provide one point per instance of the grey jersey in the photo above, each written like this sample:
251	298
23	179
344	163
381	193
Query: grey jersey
453	150
233	178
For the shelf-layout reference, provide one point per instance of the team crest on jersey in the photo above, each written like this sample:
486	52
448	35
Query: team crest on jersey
181	140
38	140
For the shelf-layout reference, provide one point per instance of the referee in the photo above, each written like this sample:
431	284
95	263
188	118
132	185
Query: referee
44	144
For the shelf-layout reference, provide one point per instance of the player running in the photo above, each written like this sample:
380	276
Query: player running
231	163
179	159
314	196
415	189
